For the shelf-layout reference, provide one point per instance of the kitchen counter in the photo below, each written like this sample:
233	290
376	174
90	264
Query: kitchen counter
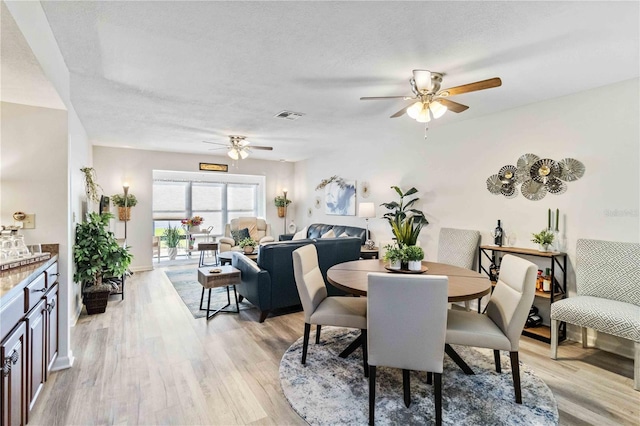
10	281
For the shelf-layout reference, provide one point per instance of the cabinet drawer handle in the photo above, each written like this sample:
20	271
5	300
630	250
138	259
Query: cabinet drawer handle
57	274
8	361
51	305
42	290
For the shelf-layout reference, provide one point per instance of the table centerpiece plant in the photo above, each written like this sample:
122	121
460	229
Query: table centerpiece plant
395	255
414	256
248	245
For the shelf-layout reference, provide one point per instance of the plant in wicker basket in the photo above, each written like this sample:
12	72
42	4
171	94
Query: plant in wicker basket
96	254
124	205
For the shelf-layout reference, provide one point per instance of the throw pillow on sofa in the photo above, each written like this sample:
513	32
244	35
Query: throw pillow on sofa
300	235
329	234
239	235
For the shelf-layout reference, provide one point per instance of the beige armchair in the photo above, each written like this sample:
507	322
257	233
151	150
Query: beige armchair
258	228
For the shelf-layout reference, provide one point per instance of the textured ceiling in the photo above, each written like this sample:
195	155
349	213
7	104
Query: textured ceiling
167	75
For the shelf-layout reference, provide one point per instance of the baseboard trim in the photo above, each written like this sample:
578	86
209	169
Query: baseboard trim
62	363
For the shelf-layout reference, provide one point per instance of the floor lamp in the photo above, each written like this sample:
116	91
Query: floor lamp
125	187
284	191
367	210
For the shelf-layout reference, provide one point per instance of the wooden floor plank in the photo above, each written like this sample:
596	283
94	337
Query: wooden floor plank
148	361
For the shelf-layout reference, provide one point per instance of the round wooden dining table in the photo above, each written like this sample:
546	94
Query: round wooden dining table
464	284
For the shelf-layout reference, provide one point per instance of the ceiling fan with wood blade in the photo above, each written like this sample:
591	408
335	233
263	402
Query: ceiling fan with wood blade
429	100
238	147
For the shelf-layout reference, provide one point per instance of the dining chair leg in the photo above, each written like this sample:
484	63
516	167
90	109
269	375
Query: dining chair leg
365	353
438	397
372	393
406	387
318	327
429	377
515	372
496	357
305	342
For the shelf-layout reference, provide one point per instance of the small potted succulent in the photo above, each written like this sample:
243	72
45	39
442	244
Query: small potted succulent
543	238
414	255
394	255
248	245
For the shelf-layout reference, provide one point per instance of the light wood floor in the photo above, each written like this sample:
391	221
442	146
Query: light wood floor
146	361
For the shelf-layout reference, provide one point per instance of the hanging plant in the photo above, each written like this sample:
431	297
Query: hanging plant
91	186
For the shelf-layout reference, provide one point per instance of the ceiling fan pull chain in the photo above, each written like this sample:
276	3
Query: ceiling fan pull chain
426	129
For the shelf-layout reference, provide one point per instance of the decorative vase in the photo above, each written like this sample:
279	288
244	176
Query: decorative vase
415	265
194	228
248	249
281	211
173	252
396	264
124	213
543	247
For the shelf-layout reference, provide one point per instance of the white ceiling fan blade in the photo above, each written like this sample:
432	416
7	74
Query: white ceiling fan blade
216	143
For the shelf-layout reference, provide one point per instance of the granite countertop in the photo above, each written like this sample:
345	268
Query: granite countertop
12	279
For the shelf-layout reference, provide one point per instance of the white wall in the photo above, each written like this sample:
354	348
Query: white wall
599	127
115	166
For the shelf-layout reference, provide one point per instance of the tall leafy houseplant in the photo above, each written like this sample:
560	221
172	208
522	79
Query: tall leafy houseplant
172	236
97	254
405	221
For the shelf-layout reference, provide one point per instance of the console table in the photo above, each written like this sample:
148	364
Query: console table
558	288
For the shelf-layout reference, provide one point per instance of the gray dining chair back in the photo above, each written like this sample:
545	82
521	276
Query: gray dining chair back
501	325
320	309
458	247
406	327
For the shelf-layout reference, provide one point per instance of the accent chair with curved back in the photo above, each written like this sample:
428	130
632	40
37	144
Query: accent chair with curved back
458	247
506	313
406	318
320	309
258	228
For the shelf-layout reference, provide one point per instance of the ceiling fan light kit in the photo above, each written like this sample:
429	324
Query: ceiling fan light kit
238	147
430	100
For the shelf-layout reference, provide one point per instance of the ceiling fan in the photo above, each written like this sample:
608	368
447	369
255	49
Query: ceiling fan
430	101
238	147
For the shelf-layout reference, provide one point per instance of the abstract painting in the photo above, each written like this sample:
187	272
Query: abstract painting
340	197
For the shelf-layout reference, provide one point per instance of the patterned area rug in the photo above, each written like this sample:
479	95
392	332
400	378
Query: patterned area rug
185	281
332	391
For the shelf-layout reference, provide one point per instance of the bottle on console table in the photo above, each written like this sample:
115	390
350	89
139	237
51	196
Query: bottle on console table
497	239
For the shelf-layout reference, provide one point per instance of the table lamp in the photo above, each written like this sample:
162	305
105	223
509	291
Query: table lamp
367	210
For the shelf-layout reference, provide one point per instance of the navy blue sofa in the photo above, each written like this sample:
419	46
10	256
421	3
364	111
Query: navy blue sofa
269	282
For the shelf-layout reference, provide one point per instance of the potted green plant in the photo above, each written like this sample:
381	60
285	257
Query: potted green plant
248	245
394	255
172	236
97	254
406	222
124	204
543	238
281	203
414	255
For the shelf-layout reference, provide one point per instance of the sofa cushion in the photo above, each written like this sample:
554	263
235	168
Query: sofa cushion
608	316
329	234
300	235
316	230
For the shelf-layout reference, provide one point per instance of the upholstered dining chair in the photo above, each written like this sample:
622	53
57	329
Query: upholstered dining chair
499	328
406	323
458	247
319	309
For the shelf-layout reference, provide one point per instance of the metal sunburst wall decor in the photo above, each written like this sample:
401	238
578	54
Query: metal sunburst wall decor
536	177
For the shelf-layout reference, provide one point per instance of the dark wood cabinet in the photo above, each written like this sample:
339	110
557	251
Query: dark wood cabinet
13	392
36	334
52	328
28	341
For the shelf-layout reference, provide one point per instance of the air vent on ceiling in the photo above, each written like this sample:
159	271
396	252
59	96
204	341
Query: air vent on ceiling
289	115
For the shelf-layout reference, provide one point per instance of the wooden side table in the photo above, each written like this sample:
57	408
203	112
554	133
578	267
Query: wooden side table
366	253
228	276
202	247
